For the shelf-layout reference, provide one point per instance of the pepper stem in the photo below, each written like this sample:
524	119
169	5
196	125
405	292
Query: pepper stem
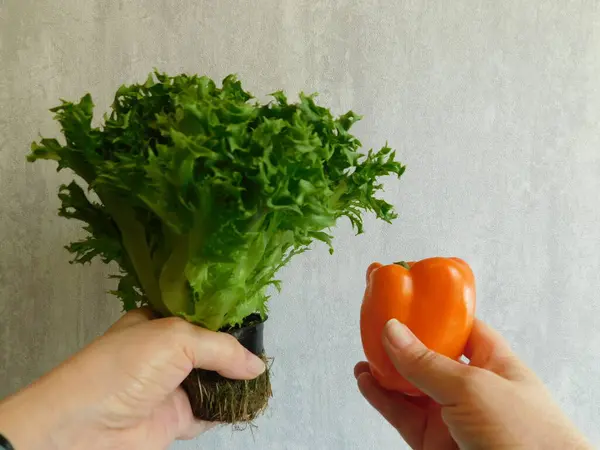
403	264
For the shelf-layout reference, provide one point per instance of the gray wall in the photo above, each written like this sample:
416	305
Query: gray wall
494	107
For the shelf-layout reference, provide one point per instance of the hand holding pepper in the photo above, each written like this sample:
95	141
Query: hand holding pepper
495	402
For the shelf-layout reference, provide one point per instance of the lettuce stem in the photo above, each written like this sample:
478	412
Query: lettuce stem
133	237
173	282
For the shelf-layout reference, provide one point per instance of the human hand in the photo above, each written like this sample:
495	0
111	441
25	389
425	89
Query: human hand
495	402
122	391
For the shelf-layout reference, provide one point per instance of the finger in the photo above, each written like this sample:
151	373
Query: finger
132	318
363	367
435	375
483	342
360	368
219	352
487	349
407	418
436	430
186	425
195	429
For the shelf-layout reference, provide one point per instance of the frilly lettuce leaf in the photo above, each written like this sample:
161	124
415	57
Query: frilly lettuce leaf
203	194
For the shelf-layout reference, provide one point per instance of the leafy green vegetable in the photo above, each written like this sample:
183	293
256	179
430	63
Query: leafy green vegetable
203	195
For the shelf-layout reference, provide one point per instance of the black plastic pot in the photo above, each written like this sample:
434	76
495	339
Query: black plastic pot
250	334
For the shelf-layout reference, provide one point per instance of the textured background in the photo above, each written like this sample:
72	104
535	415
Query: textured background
494	107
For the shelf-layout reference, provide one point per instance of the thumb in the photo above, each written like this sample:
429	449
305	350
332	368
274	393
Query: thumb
439	377
219	352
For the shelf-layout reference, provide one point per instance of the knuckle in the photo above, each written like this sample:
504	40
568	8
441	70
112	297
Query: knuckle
424	358
170	330
174	324
418	362
472	382
230	340
512	368
230	345
175	336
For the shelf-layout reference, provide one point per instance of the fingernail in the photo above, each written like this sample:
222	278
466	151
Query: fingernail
254	364
398	335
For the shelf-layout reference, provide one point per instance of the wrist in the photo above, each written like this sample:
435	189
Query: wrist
16	415
40	416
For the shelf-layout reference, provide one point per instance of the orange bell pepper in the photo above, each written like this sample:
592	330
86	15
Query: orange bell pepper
434	298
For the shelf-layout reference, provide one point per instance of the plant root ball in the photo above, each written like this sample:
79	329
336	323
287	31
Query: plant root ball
217	399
